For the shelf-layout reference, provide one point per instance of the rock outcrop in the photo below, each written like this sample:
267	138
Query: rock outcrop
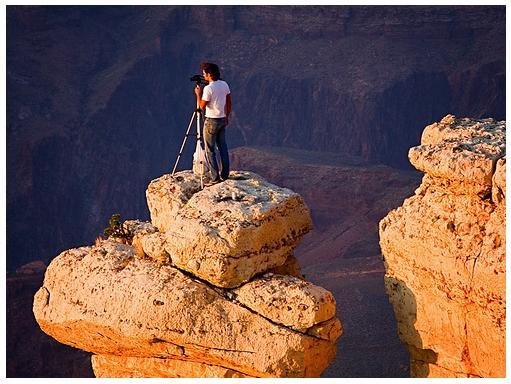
208	289
227	233
444	252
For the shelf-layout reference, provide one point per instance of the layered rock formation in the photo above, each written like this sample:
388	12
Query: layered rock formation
227	234
369	79
347	198
208	289
444	252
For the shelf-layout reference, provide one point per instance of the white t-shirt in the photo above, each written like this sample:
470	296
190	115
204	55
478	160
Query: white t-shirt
214	93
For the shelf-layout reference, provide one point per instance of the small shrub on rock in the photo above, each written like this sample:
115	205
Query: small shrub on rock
117	231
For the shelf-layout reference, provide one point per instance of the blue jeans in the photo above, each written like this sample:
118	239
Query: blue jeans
214	134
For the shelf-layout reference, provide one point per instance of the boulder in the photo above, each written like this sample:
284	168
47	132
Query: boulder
227	233
167	194
106	300
461	153
287	300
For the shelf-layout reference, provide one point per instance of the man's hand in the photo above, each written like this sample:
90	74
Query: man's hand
228	107
200	103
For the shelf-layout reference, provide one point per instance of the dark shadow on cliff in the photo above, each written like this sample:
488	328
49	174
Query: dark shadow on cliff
403	300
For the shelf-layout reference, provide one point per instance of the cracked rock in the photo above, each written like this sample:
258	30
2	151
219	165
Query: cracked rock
226	241
288	300
165	307
121	366
145	310
461	153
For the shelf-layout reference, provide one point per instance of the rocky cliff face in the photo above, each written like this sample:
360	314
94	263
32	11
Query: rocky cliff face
97	96
444	252
212	290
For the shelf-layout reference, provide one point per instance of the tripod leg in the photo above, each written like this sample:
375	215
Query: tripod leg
184	142
201	143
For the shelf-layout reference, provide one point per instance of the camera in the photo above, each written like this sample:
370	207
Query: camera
199	79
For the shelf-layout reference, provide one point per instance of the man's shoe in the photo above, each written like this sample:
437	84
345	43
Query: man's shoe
211	182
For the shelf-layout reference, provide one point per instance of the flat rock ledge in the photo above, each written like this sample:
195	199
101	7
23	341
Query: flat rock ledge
444	252
227	233
144	312
461	153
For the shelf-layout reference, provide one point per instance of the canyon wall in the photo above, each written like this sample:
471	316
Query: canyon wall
444	252
98	98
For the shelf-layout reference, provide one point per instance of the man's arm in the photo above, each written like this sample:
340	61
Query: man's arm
227	107
201	103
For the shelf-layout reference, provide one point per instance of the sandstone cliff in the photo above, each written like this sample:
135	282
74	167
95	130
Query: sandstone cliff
210	288
444	252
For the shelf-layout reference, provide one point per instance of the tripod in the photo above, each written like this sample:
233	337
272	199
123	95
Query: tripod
196	115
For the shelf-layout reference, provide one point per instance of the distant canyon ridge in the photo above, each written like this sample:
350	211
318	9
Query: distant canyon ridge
99	97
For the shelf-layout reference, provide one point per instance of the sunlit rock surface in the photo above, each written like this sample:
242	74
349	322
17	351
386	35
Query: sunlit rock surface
228	232
142	315
444	251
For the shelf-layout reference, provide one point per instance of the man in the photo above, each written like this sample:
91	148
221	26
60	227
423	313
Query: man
216	99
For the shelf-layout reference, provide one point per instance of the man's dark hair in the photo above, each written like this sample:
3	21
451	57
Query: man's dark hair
212	69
